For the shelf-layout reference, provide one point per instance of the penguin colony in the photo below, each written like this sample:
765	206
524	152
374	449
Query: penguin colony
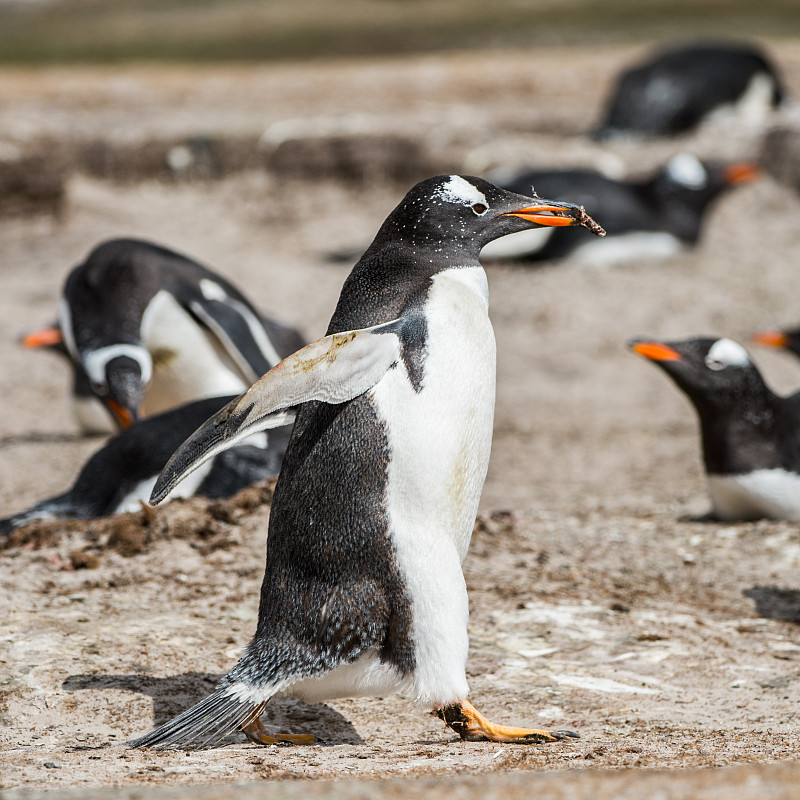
374	490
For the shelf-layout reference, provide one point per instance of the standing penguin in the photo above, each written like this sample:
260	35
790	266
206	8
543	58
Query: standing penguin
151	329
750	435
373	511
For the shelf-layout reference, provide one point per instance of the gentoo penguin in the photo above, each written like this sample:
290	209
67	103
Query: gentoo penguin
788	339
363	591
121	475
653	218
678	88
152	329
750	436
89	412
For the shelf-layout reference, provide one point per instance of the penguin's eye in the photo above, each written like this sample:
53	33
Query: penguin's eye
715	364
480	209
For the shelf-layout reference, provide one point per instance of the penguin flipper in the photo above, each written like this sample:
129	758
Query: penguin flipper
239	331
333	369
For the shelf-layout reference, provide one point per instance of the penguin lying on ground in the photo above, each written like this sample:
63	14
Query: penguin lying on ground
151	329
372	515
121	475
788	339
750	436
654	218
678	88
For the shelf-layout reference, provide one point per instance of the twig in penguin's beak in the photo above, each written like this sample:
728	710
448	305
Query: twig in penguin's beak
552	214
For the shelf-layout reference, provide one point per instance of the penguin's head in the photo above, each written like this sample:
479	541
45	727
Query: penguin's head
119	375
687	185
456	215
713	373
788	339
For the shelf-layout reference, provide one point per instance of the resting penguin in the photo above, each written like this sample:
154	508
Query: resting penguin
120	475
151	329
653	218
788	339
678	88
750	436
363	591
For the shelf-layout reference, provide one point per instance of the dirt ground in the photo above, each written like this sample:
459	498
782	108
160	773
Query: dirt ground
600	602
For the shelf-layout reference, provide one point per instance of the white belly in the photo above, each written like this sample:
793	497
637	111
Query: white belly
188	363
772	493
439	440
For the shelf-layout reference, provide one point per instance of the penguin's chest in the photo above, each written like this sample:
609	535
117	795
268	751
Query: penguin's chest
188	363
772	493
439	431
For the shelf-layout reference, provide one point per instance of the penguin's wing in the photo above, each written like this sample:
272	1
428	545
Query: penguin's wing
237	328
333	369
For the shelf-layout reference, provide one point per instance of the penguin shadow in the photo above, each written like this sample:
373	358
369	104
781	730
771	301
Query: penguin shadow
774	603
172	695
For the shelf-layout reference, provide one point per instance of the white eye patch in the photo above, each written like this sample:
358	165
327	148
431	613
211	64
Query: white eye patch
95	361
726	353
457	190
688	171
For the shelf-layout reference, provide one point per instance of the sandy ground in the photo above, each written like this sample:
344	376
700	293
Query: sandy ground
599	602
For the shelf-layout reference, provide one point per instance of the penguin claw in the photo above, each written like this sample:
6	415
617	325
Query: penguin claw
259	733
472	726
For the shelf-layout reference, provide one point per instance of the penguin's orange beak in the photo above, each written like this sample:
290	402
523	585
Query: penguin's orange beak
123	415
655	351
771	338
742	172
554	215
45	337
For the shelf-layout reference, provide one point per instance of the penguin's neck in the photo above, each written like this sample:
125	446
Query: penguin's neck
389	279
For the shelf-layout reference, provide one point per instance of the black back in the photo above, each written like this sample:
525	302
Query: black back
675	89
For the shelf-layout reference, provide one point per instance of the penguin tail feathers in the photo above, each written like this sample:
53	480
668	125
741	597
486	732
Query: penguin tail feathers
205	724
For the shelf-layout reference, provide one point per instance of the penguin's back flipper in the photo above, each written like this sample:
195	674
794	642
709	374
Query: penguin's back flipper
205	724
239	331
333	369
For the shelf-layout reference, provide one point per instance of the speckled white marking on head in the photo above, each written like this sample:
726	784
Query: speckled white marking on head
457	190
726	353
95	361
688	171
212	290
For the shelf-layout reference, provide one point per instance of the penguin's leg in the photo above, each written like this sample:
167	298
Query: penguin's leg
256	731
472	726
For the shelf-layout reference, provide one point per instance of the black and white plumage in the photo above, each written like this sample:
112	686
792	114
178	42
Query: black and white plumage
373	511
678	88
120	476
750	435
151	329
653	218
